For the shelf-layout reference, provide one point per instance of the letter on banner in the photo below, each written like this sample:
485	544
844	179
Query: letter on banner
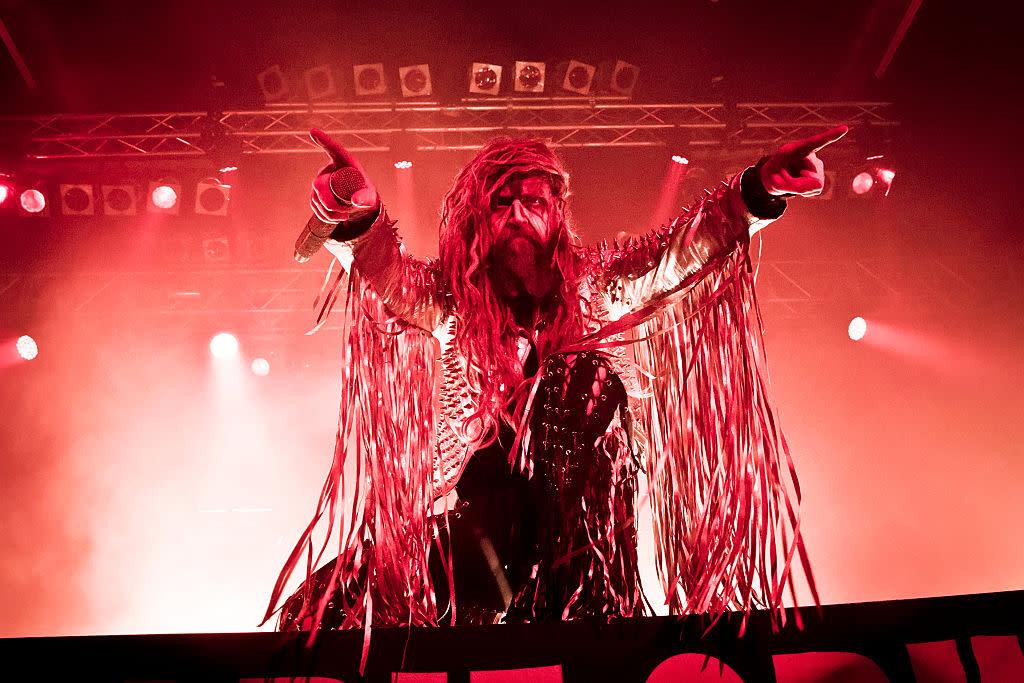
691	666
837	667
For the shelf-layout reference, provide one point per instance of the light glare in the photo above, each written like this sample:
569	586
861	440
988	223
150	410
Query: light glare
27	347
164	197
858	326
5	192
33	201
261	367
862	182
224	345
403	164
683	161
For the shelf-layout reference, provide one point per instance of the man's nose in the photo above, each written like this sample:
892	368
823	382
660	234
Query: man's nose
518	214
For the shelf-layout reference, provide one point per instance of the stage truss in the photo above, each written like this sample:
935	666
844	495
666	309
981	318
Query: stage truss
430	126
280	299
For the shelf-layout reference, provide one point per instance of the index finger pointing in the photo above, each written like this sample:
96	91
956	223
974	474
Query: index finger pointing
816	142
339	155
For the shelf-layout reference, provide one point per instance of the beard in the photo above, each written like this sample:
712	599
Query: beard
522	266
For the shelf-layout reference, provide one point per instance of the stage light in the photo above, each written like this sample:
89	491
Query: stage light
484	79
403	149
118	200
415	81
319	82
32	201
857	328
27	347
77	200
579	77
212	197
261	367
529	77
369	79
873	178
623	78
885	177
6	188
216	249
224	345
667	205
273	84
163	197
862	183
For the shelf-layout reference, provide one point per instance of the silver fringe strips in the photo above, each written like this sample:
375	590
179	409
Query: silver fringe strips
721	483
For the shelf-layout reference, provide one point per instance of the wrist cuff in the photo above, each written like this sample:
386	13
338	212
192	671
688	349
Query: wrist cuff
349	230
759	201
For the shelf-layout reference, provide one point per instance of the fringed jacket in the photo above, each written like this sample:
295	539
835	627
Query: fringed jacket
721	486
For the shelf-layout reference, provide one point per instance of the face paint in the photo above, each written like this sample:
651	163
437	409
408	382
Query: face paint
524	220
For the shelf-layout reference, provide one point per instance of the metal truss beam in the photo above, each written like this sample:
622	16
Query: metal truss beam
368	127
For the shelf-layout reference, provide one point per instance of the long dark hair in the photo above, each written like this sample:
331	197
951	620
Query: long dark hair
487	333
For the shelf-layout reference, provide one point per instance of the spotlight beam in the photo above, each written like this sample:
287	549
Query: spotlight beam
19	61
897	38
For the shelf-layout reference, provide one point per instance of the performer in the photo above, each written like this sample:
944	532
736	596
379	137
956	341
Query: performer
564	372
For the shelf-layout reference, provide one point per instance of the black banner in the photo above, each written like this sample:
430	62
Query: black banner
965	638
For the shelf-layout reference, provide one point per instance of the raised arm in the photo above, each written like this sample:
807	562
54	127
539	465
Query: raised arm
366	238
658	263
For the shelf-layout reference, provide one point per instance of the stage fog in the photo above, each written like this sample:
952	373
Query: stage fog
152	487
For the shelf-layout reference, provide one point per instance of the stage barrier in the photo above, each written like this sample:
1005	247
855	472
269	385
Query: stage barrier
956	639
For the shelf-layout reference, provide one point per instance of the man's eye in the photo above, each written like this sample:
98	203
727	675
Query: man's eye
502	202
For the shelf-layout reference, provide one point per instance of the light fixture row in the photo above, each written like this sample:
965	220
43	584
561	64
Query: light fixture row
212	198
371	80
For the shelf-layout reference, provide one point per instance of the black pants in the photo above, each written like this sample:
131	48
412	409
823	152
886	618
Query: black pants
554	542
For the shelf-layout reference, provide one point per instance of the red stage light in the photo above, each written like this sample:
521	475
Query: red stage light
224	345
857	328
5	192
164	197
862	183
530	77
578	77
212	200
485	78
403	164
681	160
27	347
369	80
885	176
33	201
415	80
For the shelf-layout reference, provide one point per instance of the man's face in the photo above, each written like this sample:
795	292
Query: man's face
524	220
523	208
